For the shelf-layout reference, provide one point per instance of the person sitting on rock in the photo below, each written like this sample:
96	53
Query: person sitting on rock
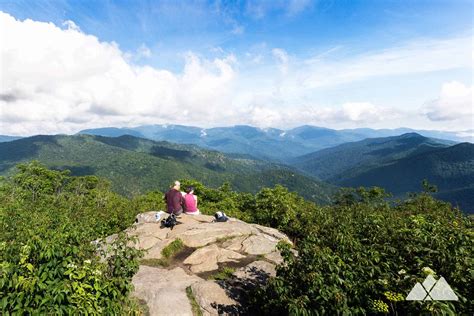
174	199
190	202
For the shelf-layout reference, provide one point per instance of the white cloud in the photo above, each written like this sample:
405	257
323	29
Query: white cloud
364	112
238	29
70	25
258	9
297	6
282	57
455	103
62	80
55	80
143	52
420	56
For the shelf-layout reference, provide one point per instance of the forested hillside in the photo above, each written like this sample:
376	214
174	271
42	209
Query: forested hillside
342	161
398	164
135	165
451	169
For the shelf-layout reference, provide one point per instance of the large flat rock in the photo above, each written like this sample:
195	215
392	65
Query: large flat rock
272	232
148	229
164	291
155	251
208	246
257	271
207	258
260	244
203	259
212	298
208	233
234	244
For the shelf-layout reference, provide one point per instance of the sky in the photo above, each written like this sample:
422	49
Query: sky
71	65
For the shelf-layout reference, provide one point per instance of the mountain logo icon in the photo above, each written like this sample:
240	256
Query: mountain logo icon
432	290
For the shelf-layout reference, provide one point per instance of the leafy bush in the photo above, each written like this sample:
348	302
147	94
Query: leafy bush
48	263
364	256
361	255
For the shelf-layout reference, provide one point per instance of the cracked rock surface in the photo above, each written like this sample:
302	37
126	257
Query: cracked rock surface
244	253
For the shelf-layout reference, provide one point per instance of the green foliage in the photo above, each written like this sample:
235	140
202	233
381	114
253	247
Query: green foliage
223	274
48	263
281	209
234	204
174	247
168	253
363	256
192	299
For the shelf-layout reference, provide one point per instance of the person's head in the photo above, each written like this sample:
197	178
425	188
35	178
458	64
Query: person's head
190	190
177	185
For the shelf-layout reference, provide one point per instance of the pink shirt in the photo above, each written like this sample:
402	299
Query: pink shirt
190	200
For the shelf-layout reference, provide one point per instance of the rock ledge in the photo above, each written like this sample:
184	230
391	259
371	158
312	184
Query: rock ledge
248	251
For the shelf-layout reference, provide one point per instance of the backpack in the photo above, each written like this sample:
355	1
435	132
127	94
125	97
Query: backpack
170	221
220	217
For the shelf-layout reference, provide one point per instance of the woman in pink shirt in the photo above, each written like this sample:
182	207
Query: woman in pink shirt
190	202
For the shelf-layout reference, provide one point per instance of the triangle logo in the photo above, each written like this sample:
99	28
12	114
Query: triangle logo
418	293
442	291
432	289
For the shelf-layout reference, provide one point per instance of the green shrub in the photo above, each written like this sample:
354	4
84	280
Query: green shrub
223	274
48	263
365	256
361	255
173	248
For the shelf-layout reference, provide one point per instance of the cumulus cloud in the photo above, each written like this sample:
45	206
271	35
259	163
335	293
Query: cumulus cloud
455	103
55	79
61	80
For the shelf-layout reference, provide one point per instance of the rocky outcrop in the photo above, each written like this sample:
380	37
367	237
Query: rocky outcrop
238	254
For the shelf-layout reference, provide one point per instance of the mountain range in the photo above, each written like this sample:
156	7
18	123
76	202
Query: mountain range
268	144
6	138
310	160
136	165
398	164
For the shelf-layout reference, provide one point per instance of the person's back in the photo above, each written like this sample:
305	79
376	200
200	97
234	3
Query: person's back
174	200
190	202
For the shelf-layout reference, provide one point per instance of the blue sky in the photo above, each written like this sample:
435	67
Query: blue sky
266	63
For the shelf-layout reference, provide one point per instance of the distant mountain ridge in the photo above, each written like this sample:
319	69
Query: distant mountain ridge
7	138
137	165
269	144
336	162
398	164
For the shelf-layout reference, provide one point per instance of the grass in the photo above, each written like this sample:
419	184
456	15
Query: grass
173	248
223	274
194	305
137	307
167	254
